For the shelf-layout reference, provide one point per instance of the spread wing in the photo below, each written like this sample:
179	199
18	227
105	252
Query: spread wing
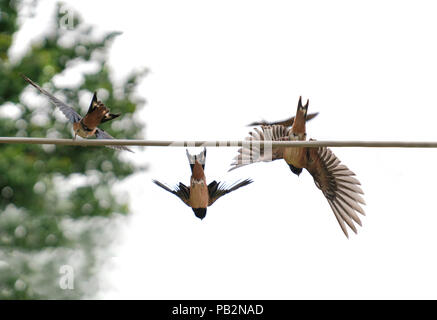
254	151
338	185
181	190
68	111
287	123
219	189
102	134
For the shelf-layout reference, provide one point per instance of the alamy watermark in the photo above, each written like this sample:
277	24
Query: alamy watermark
66	282
66	20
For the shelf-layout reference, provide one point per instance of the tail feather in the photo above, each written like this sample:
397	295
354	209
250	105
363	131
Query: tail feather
301	115
303	108
201	157
300	119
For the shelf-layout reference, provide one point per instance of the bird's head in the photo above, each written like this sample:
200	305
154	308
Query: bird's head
200	212
296	171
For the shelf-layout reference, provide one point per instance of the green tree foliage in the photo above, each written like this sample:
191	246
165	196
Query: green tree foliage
56	203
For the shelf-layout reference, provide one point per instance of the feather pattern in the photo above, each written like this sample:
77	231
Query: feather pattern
256	151
97	113
338	185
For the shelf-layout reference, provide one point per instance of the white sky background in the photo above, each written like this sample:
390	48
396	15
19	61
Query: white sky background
370	69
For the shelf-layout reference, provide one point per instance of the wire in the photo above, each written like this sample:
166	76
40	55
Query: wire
160	143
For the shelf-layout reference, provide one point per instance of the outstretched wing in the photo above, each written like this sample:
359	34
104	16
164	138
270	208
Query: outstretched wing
338	185
254	149
181	190
287	123
68	111
102	134
217	190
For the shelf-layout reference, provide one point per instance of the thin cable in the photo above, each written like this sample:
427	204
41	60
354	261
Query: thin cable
163	143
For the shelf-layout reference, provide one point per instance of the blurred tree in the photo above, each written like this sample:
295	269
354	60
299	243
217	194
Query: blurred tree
56	203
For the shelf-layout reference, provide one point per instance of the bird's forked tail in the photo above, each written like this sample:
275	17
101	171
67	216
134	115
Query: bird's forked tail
199	157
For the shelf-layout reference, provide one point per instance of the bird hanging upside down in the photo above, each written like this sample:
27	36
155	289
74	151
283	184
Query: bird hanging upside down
334	179
199	195
87	126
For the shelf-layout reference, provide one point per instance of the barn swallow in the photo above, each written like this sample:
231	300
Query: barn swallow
199	195
87	126
334	179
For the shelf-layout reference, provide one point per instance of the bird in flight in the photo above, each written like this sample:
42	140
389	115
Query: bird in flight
87	126
200	195
335	180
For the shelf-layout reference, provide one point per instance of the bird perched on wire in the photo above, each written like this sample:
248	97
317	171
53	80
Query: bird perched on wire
334	179
199	195
87	126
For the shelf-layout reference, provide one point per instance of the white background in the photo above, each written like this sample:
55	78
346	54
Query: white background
369	68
